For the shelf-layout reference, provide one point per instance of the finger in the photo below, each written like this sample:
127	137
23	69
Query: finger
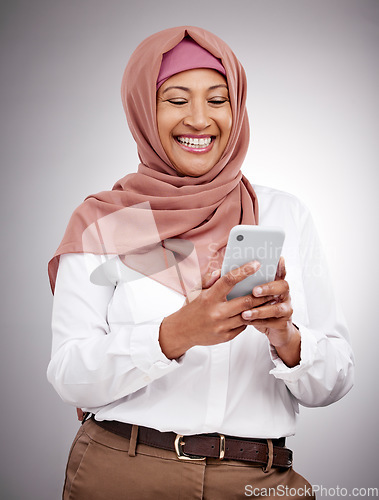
276	288
229	325
281	270
239	304
210	278
279	310
265	325
227	336
80	414
236	331
224	285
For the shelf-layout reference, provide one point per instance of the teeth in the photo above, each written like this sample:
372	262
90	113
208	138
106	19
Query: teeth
195	143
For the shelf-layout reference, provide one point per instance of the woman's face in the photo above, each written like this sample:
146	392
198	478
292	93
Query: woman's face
194	119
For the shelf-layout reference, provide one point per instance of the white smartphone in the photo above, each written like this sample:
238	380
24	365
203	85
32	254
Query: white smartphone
247	243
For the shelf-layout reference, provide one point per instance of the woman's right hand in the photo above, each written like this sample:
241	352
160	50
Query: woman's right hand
210	318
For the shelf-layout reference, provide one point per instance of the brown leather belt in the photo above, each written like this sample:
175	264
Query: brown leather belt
202	446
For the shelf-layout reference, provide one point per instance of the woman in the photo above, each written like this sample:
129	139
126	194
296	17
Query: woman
190	395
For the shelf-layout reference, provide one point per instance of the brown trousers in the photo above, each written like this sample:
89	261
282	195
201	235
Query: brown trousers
104	466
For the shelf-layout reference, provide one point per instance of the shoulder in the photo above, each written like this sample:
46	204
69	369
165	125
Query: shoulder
267	194
276	204
278	207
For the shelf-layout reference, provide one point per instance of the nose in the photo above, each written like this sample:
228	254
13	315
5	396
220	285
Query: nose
198	116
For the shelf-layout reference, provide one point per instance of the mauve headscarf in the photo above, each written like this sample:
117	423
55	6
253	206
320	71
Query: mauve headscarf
157	203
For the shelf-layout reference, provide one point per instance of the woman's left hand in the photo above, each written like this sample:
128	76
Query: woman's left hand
275	318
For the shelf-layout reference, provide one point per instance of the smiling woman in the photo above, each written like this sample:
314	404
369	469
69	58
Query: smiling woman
194	119
187	394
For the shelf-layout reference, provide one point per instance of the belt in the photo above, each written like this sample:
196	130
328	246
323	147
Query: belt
202	446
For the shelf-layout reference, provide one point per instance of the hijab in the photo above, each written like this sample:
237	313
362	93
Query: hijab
156	212
187	55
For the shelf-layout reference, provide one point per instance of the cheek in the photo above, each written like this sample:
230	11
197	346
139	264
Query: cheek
166	122
226	130
164	136
160	126
227	123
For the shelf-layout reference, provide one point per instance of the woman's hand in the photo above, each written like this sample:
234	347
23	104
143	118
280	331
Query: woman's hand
209	318
274	319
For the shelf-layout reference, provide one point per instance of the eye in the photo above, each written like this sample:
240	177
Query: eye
218	101
177	101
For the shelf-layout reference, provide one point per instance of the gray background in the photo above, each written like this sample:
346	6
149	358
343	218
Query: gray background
313	106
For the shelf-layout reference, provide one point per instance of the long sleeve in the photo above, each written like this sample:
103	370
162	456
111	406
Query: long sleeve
106	356
96	361
326	371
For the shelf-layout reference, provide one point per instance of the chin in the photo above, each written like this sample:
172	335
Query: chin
193	171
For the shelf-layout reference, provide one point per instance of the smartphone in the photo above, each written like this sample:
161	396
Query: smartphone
247	243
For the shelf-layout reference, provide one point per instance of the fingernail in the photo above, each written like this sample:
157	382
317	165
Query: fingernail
247	314
252	266
216	272
257	290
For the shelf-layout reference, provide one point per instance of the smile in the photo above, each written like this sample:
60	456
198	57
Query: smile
194	143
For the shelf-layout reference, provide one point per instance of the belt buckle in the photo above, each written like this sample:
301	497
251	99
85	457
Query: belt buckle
179	443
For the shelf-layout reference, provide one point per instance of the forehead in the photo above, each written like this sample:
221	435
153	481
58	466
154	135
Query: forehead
199	78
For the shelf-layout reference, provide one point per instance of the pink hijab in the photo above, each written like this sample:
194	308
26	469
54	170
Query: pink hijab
156	204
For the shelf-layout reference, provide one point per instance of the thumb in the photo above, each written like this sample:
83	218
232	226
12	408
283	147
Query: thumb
281	270
209	278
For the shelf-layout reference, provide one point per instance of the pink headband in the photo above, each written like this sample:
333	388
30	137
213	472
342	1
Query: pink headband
184	56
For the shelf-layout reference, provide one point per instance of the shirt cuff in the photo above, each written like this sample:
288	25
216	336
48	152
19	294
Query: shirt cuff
308	350
146	352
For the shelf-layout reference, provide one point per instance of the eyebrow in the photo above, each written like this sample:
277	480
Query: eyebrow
186	89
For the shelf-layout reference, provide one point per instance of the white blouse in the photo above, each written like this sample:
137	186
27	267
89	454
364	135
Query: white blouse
106	357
